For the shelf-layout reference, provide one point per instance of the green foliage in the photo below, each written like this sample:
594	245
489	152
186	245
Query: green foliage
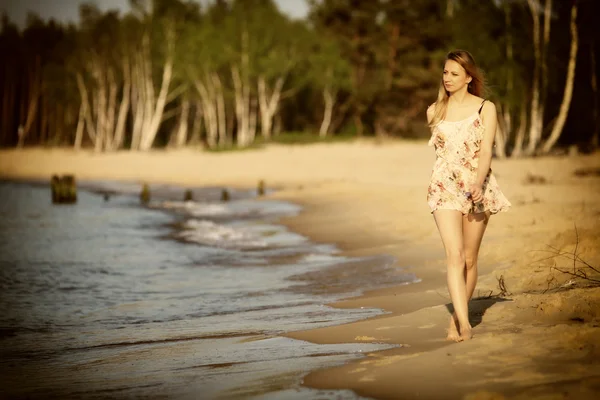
381	60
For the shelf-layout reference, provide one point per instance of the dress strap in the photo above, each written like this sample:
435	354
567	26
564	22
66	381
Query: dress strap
481	108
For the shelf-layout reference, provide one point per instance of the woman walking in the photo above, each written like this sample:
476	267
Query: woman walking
463	192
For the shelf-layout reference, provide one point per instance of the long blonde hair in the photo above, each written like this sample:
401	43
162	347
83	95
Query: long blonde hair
475	87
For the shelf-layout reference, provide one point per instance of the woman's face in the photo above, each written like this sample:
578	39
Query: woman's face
455	77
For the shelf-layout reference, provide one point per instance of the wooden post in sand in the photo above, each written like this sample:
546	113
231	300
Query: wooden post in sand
145	194
261	188
188	196
224	195
55	187
64	189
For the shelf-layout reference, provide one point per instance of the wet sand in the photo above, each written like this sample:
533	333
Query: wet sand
539	338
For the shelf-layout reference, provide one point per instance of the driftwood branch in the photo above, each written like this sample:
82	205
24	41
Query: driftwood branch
581	268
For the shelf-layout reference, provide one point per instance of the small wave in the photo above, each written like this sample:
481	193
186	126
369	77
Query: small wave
212	234
240	209
195	209
248	236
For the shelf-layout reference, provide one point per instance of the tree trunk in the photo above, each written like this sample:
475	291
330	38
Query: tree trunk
149	135
252	120
137	101
566	102
544	74
44	122
392	56
7	104
221	116
277	125
33	99
13	106
520	138
209	112
80	124
86	108
535	130
245	107
196	133
182	128
241	108
110	112
100	107
594	84
148	86
507	123
500	139
507	114
329	101
268	104
148	109
123	108
358	124
22	104
54	137
60	116
230	128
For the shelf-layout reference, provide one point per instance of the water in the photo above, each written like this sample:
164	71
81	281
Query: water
177	299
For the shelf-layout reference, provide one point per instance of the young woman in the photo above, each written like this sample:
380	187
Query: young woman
463	193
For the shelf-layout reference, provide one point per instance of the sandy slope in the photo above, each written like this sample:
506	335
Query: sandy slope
542	340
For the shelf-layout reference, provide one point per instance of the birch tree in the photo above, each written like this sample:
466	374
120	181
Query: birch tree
504	135
102	75
261	59
568	92
180	134
149	105
594	85
154	28
330	74
205	61
276	56
242	69
539	85
33	39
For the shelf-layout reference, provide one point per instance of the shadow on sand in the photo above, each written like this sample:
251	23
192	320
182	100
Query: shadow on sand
478	306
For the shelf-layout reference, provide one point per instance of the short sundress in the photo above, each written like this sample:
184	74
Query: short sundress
457	146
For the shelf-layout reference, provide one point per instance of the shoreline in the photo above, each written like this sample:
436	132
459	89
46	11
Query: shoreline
369	199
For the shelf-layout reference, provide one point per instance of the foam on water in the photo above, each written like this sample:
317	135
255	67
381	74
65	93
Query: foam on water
236	209
100	283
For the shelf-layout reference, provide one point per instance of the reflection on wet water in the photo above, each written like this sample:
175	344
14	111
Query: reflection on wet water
106	298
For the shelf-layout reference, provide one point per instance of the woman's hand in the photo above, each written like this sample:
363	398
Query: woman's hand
476	193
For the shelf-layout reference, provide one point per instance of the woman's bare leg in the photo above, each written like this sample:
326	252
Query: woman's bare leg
449	223
473	229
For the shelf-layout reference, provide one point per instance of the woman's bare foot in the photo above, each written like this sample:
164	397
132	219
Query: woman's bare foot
453	334
466	334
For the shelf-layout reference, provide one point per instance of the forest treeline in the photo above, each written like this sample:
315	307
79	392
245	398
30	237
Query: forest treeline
223	74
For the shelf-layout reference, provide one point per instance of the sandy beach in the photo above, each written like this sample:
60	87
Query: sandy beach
536	317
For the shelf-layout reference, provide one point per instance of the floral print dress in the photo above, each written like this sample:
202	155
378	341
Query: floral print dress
457	146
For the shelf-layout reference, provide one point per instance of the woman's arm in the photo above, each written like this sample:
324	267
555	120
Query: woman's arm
490	123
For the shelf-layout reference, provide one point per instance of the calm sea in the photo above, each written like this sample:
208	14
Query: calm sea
110	299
